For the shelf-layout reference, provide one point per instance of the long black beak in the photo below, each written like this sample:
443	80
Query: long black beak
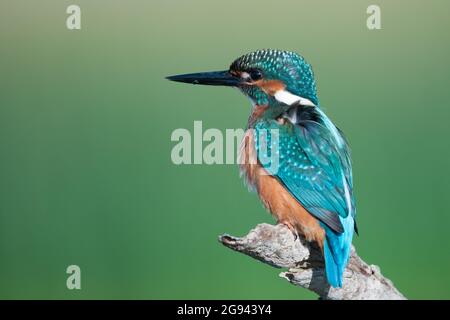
214	78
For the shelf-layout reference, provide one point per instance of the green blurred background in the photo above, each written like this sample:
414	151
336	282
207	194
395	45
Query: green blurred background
86	118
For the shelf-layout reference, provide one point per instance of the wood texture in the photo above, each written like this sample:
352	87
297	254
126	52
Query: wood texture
275	245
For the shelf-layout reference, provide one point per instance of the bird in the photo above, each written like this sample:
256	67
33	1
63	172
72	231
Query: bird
310	190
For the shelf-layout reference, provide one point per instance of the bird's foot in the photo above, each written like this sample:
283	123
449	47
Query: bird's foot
290	227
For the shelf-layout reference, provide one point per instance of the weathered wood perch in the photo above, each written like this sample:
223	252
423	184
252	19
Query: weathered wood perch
275	245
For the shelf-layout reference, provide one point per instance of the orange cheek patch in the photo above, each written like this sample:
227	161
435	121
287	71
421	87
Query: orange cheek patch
270	86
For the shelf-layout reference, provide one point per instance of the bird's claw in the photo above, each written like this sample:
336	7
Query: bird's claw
292	229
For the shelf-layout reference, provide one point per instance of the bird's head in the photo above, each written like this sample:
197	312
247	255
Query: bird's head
268	77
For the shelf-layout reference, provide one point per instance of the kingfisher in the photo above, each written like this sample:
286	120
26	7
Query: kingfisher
310	189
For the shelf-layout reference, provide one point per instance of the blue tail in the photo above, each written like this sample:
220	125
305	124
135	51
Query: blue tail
337	251
332	268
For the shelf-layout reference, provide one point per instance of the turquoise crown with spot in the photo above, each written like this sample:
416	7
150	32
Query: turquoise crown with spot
286	66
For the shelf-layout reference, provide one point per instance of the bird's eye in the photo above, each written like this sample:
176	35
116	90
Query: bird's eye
255	74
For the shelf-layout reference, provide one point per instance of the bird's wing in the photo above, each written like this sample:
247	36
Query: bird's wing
310	165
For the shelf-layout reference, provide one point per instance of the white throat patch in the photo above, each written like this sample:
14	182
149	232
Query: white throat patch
288	98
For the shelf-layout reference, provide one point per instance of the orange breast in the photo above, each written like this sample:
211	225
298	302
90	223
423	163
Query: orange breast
275	197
